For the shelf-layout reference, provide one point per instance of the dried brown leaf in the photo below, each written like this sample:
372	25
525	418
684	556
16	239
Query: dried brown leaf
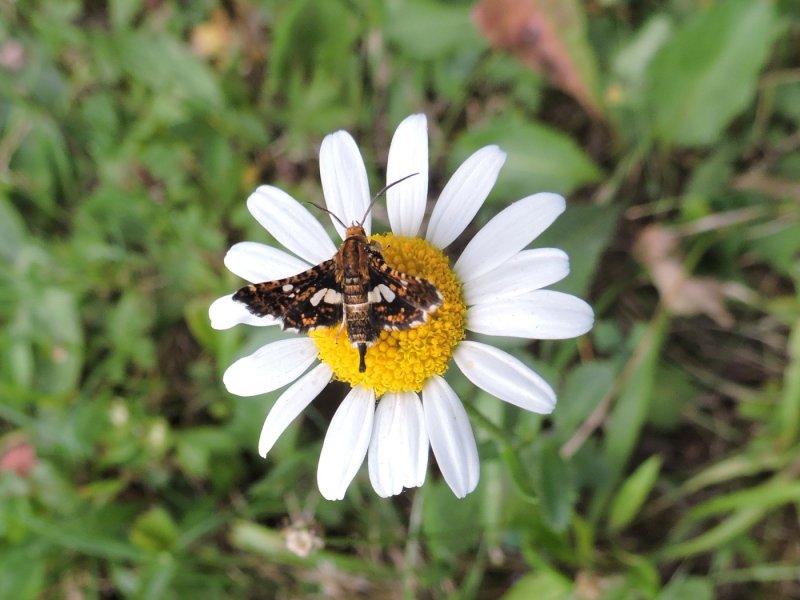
18	455
657	249
549	36
213	38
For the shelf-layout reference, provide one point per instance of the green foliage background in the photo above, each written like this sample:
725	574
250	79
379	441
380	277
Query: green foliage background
131	131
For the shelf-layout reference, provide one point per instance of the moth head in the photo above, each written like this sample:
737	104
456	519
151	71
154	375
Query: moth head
355	230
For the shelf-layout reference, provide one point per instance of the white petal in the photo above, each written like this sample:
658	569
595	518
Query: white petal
346	443
291	403
539	315
291	224
344	180
451	436
225	313
258	262
504	377
270	367
507	233
526	271
408	154
463	195
398	451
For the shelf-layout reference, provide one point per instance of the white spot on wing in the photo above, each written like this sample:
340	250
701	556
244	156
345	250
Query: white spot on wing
287	287
386	292
333	297
381	290
329	295
318	296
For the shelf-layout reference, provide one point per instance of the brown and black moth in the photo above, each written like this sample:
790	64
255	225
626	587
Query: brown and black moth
355	288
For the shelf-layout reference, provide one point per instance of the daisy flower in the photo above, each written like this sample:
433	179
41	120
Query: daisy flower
401	404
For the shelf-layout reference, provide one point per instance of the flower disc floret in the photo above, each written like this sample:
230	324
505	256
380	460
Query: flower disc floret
401	361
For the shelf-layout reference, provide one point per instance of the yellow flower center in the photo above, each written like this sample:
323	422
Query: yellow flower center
401	361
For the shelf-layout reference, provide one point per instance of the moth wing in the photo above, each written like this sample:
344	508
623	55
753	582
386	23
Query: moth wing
399	301
302	302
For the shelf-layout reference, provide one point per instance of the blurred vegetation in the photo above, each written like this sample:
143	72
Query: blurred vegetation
131	131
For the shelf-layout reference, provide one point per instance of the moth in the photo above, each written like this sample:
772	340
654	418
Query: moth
355	288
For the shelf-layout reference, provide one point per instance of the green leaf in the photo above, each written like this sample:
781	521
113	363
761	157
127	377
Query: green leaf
708	178
161	63
630	62
555	485
157	578
42	162
674	389
788	411
154	530
539	158
314	69
93	534
18	363
12	230
627	418
642	576
311	36
60	345
583	232
128	327
708	72
22	573
195	448
787	101
123	12
545	585
431	30
695	588
630	411
779	246
766	497
730	528
633	493
583	389
449	523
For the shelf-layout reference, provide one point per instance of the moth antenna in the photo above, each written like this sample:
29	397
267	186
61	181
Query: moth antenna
323	209
380	193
